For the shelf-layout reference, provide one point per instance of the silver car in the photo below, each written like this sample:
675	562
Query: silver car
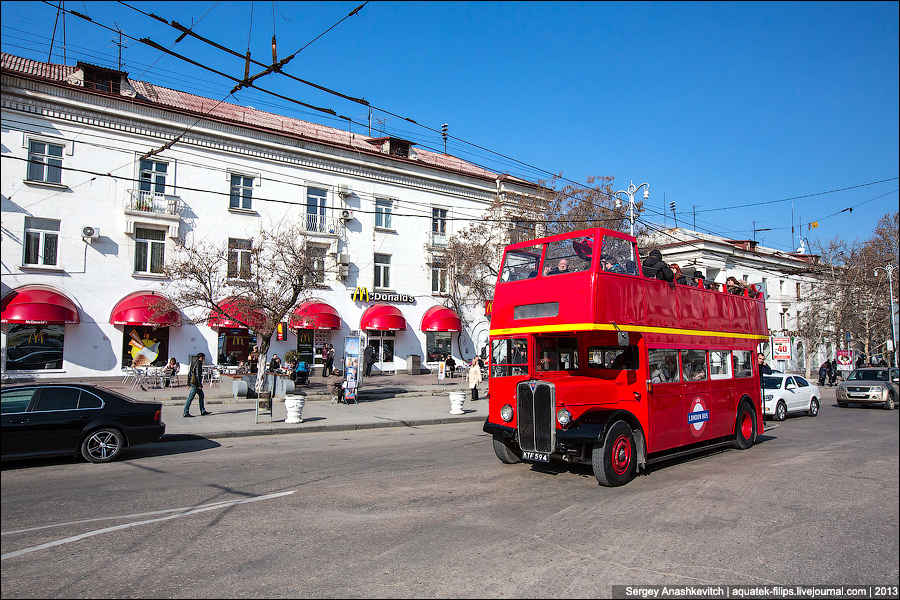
870	385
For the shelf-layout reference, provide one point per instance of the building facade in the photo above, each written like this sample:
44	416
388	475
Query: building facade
785	278
89	218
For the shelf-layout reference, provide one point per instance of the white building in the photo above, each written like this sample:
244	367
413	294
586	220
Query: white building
87	222
783	275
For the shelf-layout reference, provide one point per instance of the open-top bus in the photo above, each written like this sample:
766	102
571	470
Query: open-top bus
591	362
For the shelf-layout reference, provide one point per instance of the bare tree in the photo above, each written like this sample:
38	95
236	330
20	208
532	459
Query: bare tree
280	273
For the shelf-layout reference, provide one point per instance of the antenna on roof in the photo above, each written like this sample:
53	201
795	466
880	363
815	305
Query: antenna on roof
444	127
120	44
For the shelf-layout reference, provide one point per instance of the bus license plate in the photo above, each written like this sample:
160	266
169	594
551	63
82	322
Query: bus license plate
536	456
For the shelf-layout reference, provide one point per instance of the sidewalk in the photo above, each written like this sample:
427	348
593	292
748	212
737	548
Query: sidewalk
236	419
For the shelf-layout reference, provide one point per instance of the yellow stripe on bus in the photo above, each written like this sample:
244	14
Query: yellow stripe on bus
611	327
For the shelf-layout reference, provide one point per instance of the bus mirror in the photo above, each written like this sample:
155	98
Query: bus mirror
623	338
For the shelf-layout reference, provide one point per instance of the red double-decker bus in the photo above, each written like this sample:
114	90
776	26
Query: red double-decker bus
591	362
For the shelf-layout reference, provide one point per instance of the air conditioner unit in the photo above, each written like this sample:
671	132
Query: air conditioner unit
346	214
344	190
89	234
343	259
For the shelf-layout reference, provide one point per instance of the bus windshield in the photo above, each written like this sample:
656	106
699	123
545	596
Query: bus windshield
522	263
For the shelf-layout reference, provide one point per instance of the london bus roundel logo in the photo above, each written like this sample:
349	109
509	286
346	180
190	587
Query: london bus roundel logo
697	418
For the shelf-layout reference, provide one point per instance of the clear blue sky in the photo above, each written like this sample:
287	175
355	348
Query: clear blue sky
712	104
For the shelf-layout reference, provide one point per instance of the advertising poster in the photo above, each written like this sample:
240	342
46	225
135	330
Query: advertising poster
781	348
351	367
442	370
845	359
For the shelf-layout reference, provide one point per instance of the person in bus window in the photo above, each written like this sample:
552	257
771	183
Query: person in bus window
654	267
561	267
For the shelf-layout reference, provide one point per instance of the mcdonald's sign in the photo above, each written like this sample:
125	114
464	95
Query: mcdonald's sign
281	331
488	307
362	294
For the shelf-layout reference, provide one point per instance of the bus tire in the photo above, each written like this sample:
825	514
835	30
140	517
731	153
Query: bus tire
615	460
506	454
745	427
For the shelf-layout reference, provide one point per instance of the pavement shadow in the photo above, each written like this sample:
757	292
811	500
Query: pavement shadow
172	444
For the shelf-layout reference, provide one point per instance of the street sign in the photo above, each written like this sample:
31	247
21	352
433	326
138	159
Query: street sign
848	337
845	359
781	348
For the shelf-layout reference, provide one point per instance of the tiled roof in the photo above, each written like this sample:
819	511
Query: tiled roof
246	115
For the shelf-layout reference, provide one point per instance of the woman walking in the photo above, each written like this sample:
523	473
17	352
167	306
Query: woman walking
474	378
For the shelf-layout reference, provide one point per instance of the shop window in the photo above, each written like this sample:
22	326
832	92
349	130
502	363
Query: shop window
509	357
44	162
568	256
41	241
239	253
617	256
144	346
663	365
383	210
149	250
241	192
34	347
234	346
437	345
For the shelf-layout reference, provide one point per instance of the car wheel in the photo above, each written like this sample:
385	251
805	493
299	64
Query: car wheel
813	407
780	411
506	454
102	445
615	460
745	426
889	403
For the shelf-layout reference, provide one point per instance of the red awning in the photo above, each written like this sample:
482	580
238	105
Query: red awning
145	308
235	308
33	305
382	317
315	315
440	318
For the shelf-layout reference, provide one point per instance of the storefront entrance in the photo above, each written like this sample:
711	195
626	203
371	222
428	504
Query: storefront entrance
383	342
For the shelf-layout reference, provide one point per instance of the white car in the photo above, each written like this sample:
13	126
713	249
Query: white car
789	393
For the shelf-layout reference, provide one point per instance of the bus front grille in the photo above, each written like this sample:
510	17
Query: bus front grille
535	401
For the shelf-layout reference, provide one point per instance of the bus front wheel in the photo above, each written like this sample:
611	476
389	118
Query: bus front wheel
745	427
507	455
615	460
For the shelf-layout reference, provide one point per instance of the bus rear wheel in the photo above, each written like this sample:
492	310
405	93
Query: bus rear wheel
505	453
615	460
745	427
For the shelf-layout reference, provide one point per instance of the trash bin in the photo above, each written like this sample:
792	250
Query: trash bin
293	406
456	402
413	364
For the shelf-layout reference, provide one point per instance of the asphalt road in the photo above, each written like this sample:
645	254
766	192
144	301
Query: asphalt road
430	512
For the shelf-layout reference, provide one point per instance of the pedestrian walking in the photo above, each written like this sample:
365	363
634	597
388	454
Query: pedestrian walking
474	378
369	357
195	380
832	372
823	373
328	368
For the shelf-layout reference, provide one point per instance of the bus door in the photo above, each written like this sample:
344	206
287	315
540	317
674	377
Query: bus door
698	415
722	395
665	404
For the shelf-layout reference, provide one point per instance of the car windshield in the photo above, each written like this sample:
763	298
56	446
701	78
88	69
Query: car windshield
772	383
868	375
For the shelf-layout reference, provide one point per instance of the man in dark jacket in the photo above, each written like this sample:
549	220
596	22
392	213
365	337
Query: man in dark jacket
655	267
832	371
195	380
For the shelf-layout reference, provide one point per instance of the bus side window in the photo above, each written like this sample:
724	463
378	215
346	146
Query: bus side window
693	365
719	364
742	365
618	256
663	366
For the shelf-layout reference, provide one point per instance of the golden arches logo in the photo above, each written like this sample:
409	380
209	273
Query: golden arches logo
361	293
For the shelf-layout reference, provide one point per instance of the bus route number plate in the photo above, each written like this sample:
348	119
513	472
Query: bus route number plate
536	456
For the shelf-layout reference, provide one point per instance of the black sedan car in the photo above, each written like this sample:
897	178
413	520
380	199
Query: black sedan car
65	418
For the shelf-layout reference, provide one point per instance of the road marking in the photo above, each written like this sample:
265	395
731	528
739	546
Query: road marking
115	518
194	511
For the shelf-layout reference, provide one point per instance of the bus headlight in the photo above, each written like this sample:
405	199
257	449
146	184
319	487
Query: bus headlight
506	413
564	417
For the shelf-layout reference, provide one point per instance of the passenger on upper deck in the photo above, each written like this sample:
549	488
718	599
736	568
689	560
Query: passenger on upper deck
654	267
734	286
561	267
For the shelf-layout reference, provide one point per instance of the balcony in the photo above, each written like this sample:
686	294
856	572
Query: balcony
149	208
438	239
317	224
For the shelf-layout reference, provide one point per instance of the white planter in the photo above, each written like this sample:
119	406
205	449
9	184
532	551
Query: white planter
456	402
293	406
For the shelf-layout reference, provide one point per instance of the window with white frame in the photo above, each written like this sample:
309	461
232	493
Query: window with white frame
241	192
317	262
439	221
316	208
44	162
239	252
152	181
149	250
383	209
439	277
720	364
41	242
382	270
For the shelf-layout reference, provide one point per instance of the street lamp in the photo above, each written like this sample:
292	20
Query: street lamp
630	191
889	269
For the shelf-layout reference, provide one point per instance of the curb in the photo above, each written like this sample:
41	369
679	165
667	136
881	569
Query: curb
181	437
